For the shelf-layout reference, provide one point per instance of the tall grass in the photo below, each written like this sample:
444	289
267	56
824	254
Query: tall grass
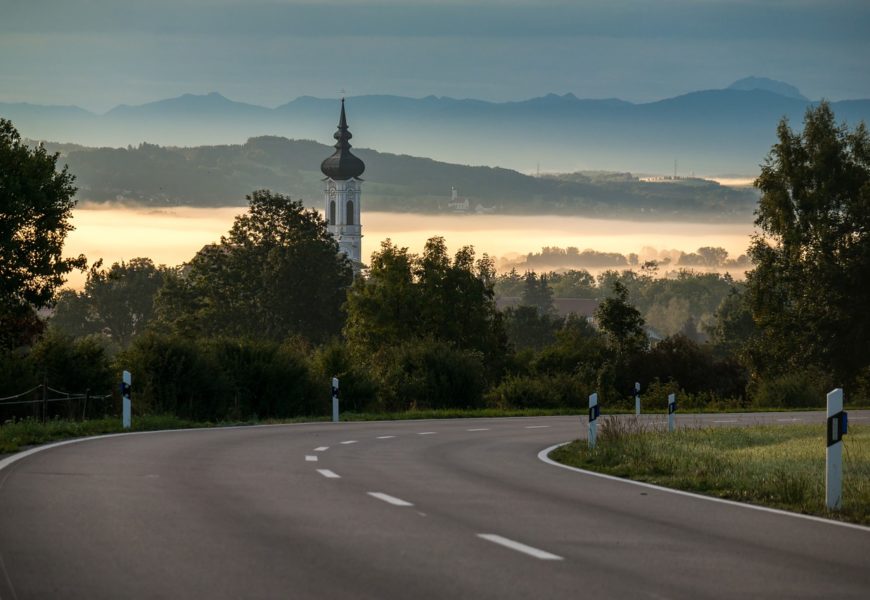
777	466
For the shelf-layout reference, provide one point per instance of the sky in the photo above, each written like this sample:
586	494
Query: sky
100	53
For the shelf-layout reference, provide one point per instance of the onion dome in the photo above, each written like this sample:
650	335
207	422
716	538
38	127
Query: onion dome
342	164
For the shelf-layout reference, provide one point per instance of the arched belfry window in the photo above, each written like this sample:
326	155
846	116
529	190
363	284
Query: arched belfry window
349	212
332	212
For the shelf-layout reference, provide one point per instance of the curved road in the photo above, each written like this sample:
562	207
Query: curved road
412	509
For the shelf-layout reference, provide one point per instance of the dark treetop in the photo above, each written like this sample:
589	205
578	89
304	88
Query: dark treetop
342	164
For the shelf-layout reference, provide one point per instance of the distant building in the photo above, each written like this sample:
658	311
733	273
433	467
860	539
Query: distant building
462	205
342	189
456	203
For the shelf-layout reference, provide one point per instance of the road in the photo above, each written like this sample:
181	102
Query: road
414	509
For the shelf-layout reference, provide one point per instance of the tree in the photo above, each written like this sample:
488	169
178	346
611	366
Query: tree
621	322
528	328
118	301
809	292
278	273
537	293
36	203
428	297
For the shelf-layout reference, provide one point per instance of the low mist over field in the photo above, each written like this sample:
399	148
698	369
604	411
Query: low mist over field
172	236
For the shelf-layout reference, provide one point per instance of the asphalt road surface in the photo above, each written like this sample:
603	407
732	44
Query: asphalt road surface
414	509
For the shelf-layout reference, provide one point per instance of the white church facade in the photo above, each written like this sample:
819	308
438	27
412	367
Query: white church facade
342	191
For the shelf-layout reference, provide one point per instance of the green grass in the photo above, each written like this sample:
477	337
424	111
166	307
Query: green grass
777	466
19	434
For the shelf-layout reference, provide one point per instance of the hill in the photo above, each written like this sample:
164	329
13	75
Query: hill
221	175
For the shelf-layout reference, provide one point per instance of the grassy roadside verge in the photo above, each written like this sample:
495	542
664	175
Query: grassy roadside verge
769	465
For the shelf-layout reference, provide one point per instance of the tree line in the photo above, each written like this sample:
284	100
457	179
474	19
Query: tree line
256	324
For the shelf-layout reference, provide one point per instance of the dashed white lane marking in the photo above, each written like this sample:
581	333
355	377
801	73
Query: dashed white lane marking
519	547
389	499
321	448
427	432
349	442
386	437
536	426
329	474
479	429
311	458
725	421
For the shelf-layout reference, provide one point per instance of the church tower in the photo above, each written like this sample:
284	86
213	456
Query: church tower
342	188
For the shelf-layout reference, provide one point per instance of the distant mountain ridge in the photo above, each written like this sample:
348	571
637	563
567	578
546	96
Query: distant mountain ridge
711	131
771	85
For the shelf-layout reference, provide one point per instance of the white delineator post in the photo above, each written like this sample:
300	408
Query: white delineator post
672	408
836	424
593	419
636	398
126	404
335	399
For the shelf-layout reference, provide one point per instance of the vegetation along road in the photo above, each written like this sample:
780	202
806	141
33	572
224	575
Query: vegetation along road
413	509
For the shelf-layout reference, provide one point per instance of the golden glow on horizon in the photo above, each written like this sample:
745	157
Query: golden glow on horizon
172	236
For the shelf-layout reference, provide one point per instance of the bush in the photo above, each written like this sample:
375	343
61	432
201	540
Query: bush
358	391
221	379
805	389
72	365
559	390
172	375
429	374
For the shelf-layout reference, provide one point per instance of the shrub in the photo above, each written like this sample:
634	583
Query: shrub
802	389
429	374
219	379
559	390
358	391
73	365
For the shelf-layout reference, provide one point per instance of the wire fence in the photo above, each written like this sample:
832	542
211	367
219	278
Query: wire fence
44	402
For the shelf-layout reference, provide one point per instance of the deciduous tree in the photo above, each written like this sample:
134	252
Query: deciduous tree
36	203
809	292
278	273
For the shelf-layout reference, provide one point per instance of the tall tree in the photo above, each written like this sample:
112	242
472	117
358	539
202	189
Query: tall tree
36	203
537	293
621	322
809	292
278	273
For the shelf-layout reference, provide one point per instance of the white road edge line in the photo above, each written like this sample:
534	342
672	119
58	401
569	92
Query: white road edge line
725	421
389	499
385	437
543	455
427	432
349	442
321	448
479	429
311	458
329	474
503	541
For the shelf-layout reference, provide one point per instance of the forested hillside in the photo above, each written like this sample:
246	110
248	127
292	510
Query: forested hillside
221	175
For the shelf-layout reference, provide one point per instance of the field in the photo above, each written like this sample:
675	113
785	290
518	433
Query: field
777	466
